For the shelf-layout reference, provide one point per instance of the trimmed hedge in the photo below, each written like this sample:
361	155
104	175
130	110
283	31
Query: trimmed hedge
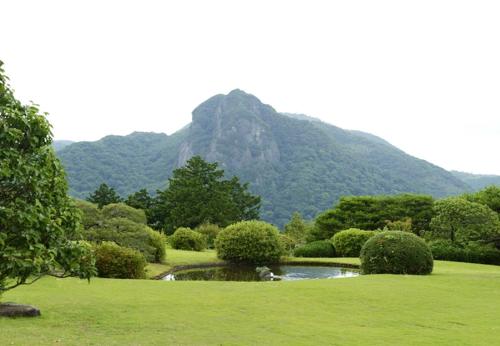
473	252
187	239
114	261
318	248
210	231
122	210
396	252
348	243
251	242
130	234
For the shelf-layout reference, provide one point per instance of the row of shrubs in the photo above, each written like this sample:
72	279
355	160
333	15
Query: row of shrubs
346	243
473	252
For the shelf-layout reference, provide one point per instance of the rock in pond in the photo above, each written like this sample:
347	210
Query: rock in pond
18	310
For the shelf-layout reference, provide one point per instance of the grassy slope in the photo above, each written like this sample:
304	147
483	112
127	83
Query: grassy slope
458	304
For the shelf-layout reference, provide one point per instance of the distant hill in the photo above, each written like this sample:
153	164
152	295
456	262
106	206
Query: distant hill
58	145
477	181
293	162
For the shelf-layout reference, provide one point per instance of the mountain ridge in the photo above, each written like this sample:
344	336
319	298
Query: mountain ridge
294	164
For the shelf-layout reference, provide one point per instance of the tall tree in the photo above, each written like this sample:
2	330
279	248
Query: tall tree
297	228
104	195
37	218
140	200
198	193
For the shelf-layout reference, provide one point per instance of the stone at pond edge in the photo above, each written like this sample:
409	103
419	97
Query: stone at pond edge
18	310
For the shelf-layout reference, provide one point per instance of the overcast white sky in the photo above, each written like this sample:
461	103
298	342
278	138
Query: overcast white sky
424	75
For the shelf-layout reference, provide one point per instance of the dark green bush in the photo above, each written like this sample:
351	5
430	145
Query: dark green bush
122	210
187	239
130	234
318	248
287	244
91	215
210	231
348	243
114	261
396	252
446	250
252	242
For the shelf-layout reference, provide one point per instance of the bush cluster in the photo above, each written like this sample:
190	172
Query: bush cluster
348	243
396	252
122	210
130	234
252	242
210	231
187	239
318	248
473	252
114	261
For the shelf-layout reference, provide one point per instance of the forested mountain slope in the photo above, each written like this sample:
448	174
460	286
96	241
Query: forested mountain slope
294	162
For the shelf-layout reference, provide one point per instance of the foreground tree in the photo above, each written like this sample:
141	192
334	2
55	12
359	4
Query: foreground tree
37	218
104	195
461	221
197	193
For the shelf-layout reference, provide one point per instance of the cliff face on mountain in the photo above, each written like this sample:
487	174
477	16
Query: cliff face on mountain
296	163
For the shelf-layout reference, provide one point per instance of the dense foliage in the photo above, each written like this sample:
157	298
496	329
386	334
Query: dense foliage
462	221
318	248
210	231
447	250
287	243
295	165
122	210
90	214
114	261
375	212
489	196
37	218
104	195
297	228
251	242
187	239
197	193
396	252
348	243
130	234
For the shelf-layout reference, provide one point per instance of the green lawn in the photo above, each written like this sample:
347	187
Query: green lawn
459	304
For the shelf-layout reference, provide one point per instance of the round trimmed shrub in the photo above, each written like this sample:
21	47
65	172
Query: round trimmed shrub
210	231
130	234
122	210
318	248
348	243
396	252
251	242
114	261
186	239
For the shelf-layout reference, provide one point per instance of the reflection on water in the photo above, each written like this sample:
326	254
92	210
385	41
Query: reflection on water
242	273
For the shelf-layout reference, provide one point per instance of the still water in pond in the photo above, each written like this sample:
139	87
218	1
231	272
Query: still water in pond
284	272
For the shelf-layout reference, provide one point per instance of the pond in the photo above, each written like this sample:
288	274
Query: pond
243	273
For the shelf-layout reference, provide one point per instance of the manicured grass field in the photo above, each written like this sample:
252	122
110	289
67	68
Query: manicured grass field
459	304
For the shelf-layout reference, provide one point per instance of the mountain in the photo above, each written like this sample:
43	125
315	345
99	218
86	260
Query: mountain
477	181
61	144
293	162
